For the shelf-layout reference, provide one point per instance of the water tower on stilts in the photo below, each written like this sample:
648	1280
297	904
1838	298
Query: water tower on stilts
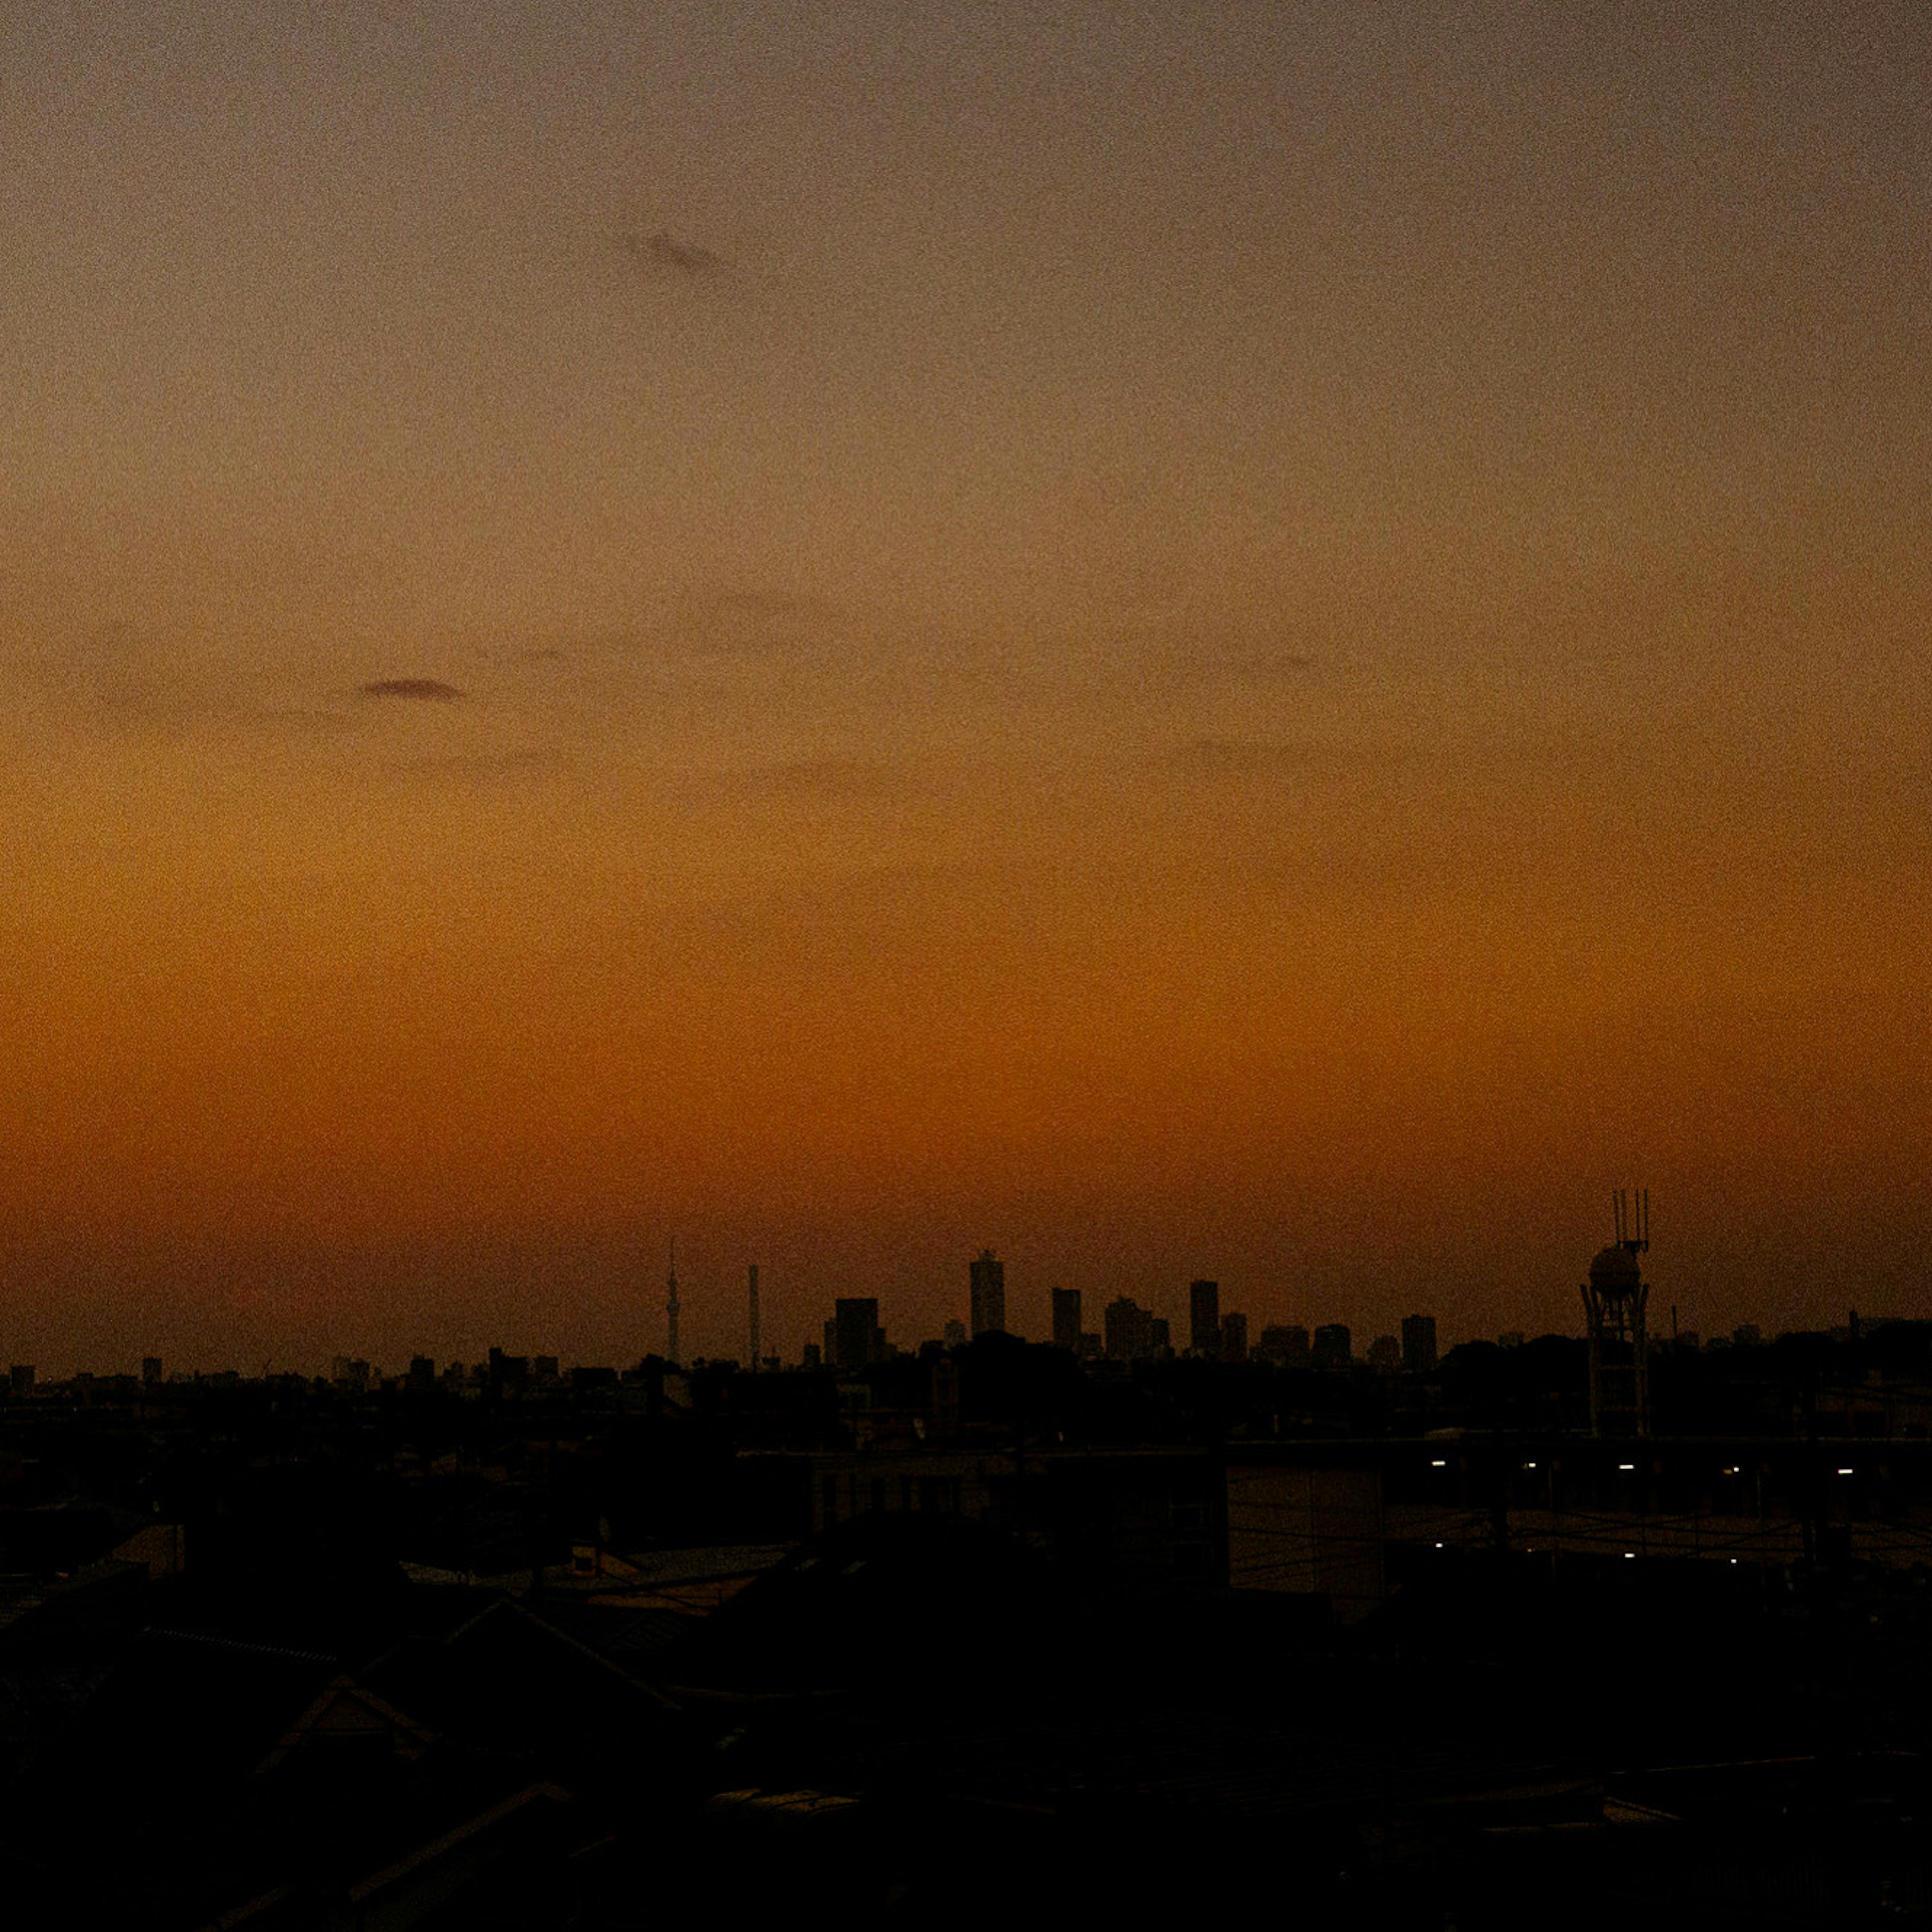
1614	1299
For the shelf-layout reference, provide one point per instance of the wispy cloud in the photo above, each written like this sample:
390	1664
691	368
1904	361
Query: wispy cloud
430	690
484	768
663	250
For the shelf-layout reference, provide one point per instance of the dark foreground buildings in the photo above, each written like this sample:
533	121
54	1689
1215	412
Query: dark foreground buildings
986	1636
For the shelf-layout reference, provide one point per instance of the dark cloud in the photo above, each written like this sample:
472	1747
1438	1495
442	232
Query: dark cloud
661	250
431	689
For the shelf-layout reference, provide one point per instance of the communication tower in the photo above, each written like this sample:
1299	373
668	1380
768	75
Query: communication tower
670	1309
1614	1299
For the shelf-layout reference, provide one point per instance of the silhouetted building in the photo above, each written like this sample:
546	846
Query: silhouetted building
1418	1344
814	1357
1286	1345
1746	1335
989	1295
545	1369
20	1378
1162	1339
422	1371
151	1371
955	1334
1203	1317
1066	1318
1234	1337
508	1375
1332	1347
1510	1338
1129	1329
857	1340
1385	1354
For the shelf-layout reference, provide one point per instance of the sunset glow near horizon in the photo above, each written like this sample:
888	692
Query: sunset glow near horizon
1275	642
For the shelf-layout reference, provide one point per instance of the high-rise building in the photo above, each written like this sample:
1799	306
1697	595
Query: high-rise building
1203	1317
955	1334
1418	1344
1385	1354
1129	1329
1333	1348
1234	1337
20	1378
151	1371
422	1371
1285	1344
989	1295
857	1340
1067	1319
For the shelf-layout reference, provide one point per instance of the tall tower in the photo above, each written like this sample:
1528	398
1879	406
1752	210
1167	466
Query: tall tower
989	1295
671	1309
754	1317
1203	1317
1614	1300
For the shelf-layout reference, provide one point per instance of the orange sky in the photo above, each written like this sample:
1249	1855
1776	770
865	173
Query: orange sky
1280	641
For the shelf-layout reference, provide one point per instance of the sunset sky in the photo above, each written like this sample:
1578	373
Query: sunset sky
1281	641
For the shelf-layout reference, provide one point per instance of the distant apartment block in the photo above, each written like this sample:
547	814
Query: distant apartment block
1333	1349
1234	1337
1418	1344
1067	1319
1285	1344
1128	1330
857	1341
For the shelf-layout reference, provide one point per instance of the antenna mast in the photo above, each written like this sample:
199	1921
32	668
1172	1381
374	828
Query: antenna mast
670	1308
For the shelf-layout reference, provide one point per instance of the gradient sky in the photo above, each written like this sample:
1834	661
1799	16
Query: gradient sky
1276	640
